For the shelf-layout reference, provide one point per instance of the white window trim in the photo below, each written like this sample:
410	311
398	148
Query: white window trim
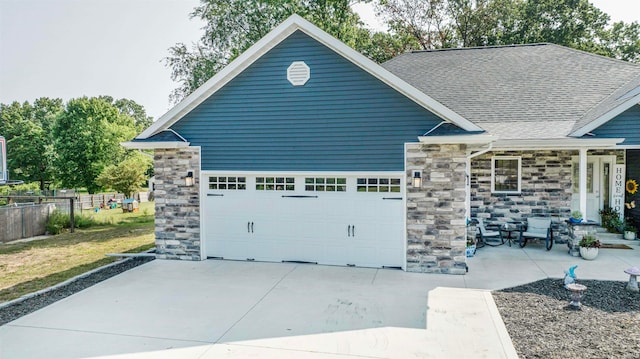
493	173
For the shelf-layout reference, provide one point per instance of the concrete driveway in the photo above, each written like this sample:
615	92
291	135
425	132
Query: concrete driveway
292	310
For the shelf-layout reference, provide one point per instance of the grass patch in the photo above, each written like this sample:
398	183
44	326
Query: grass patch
30	266
145	214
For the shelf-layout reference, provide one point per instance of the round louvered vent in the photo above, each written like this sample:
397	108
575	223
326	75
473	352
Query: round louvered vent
298	73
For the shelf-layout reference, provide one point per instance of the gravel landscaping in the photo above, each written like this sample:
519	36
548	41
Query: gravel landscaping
542	325
29	305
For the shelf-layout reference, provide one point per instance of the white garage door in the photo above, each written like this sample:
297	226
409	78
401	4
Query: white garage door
327	219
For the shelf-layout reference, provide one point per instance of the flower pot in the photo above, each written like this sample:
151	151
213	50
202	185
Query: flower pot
471	250
573	220
589	253
629	235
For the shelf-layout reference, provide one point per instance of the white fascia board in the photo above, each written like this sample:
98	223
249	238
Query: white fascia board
563	143
608	116
273	38
481	139
153	145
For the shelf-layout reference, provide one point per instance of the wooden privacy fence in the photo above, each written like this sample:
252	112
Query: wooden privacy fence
24	221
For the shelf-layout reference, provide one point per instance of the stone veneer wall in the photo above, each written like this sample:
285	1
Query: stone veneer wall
436	223
177	206
545	192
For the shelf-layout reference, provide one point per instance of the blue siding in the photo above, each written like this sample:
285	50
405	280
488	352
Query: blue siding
343	119
626	125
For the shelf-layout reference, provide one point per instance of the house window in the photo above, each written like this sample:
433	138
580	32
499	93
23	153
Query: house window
228	183
275	184
378	185
325	184
505	174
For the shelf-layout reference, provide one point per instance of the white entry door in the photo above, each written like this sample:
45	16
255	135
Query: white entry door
599	169
339	219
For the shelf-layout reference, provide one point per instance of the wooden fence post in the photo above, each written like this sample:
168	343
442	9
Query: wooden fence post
72	220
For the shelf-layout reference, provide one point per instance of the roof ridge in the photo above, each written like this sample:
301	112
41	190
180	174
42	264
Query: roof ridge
612	59
481	47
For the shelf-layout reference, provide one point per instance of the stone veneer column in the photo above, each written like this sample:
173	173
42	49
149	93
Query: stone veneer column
177	219
436	223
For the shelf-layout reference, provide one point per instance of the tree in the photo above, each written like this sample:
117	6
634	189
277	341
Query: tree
464	23
29	142
623	41
232	26
132	109
424	20
88	135
127	176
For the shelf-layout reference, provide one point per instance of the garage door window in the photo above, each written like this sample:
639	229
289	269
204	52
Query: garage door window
378	184
228	183
275	184
325	184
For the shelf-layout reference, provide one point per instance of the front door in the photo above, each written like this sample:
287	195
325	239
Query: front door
599	170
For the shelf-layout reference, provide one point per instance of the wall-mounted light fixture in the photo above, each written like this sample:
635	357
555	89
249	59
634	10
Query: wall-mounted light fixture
188	180
417	179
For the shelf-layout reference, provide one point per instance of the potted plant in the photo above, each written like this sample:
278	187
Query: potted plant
630	231
576	217
589	246
471	247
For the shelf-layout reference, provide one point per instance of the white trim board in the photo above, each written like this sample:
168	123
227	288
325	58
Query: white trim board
606	117
273	38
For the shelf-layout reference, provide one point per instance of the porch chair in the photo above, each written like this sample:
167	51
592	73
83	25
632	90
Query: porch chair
485	234
537	228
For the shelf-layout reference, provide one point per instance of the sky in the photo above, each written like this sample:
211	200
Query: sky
72	48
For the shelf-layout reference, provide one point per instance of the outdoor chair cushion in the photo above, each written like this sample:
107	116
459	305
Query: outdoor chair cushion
537	227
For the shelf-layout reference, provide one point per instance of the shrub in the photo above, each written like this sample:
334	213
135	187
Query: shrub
611	220
59	221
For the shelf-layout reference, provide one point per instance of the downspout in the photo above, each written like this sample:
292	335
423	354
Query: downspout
468	189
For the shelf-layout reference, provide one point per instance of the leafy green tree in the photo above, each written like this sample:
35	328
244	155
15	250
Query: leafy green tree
464	23
29	142
127	176
623	41
232	26
133	109
88	135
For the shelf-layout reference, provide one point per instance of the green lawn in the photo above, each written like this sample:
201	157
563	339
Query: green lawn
30	266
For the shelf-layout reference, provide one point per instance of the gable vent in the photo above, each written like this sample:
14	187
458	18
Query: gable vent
298	73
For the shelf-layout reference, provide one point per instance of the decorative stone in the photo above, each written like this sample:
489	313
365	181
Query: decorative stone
633	273
577	290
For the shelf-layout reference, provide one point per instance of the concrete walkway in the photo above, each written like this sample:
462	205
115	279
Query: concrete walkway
226	309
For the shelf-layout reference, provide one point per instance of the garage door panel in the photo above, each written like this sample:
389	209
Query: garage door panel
311	222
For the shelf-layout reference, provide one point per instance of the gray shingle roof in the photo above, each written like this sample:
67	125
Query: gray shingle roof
532	91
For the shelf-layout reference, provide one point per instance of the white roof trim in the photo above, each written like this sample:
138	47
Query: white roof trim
520	144
467	139
608	116
134	145
273	38
559	144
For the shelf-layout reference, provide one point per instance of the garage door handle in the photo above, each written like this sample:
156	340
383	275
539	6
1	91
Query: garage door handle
214	195
248	227
349	231
251	227
299	196
397	198
353	230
